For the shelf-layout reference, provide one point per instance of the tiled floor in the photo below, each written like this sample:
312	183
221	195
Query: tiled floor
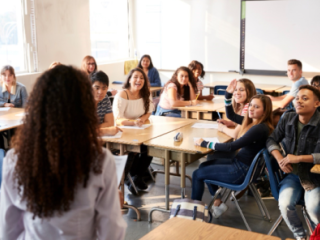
154	196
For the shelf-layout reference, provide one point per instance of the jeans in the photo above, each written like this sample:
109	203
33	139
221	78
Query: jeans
2	153
168	112
290	193
224	170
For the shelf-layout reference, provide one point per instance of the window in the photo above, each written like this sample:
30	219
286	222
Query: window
109	29
12	42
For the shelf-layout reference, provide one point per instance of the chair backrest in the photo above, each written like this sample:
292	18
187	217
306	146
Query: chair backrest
117	82
259	91
220	89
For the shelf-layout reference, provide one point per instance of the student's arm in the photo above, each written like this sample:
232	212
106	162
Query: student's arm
155	80
145	117
174	102
108	120
192	92
229	131
229	110
207	97
110	131
282	101
109	221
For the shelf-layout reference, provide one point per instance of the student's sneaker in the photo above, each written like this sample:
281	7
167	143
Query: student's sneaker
302	238
217	211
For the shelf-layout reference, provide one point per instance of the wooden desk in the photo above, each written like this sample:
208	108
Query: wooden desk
11	118
263	86
119	87
316	169
204	110
184	152
179	228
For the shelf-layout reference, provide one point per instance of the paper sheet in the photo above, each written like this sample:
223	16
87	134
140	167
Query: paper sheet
2	109
205	125
144	126
120	164
118	135
214	139
20	114
199	104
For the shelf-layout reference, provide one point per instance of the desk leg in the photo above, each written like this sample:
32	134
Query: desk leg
187	114
198	115
183	174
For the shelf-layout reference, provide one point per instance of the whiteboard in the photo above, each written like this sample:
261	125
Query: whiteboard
175	32
277	31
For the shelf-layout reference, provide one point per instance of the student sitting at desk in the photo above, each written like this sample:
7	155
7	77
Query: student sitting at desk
133	107
89	65
178	92
12	93
251	138
315	81
237	97
60	183
197	70
100	83
300	132
152	73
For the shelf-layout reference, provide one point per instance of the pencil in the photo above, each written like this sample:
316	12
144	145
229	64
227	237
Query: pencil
197	96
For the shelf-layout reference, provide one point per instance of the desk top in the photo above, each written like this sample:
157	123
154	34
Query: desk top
11	118
119	87
263	86
205	105
285	88
159	126
187	144
274	108
179	228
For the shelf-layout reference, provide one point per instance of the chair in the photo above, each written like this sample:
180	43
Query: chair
275	175
290	106
253	172
117	82
259	91
220	89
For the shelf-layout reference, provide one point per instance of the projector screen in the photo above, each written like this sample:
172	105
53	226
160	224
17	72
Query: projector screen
276	31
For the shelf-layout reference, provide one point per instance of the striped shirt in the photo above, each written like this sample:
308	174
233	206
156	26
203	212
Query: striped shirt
104	107
199	85
245	109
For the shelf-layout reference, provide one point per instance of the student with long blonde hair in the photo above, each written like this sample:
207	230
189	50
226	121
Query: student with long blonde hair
250	139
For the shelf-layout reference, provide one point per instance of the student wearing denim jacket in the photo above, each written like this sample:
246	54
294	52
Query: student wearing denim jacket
300	132
12	93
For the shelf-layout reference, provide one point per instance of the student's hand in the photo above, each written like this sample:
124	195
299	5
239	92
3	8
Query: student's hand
287	168
194	102
198	142
113	91
271	97
289	159
225	122
221	127
232	86
110	131
8	105
210	97
138	122
121	199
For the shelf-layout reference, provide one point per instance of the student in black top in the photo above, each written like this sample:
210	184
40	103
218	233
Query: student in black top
251	138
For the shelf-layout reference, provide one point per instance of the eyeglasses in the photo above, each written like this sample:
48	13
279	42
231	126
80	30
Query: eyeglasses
93	64
314	85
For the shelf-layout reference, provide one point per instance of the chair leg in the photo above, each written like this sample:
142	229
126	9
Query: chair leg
151	175
263	209
240	211
132	183
275	225
307	219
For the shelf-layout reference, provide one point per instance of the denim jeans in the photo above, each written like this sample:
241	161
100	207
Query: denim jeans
168	112
232	171
290	193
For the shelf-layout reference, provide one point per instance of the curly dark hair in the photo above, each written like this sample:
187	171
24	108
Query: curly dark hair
140	62
144	92
192	66
174	79
57	146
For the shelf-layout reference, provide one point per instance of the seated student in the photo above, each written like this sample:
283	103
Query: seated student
197	70
294	73
100	83
178	92
133	107
300	131
146	64
12	93
251	138
89	65
60	183
315	81
2	154
238	93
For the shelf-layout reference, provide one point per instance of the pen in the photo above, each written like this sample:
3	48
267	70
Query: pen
219	115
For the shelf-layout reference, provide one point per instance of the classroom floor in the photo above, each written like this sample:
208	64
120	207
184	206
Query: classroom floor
154	196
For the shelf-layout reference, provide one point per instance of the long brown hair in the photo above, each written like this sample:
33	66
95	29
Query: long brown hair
144	92
266	117
174	79
11	70
250	90
140	62
57	146
84	65
193	65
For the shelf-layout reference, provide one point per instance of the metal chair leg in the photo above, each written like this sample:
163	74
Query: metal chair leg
135	209
307	219
156	209
263	209
151	174
240	211
132	183
275	225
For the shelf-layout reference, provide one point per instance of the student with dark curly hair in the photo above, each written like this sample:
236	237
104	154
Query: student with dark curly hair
58	182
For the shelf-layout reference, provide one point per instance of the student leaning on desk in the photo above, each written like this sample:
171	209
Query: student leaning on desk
12	93
58	177
133	107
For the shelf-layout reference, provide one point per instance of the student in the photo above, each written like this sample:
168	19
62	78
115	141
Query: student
133	107
178	92
238	93
12	93
294	73
315	81
197	70
89	65
146	64
300	131
60	183
251	138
